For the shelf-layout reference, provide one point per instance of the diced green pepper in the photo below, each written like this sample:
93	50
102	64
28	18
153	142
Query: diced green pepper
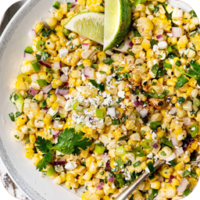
99	148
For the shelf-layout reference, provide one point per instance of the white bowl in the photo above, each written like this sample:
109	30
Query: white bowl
12	44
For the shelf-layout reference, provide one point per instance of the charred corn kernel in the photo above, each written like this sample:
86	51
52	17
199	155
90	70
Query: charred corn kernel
51	21
29	153
166	171
198	171
146	44
160	134
21	120
39	97
89	160
101	56
55	106
32	138
87	63
87	176
58	15
47	119
189	91
56	83
178	131
53	37
81	181
155	185
70	178
84	153
36	159
39	26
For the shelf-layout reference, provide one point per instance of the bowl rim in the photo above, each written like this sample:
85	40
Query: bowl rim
7	33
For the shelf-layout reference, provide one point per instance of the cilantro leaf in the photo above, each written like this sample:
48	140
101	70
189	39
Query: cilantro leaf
155	69
136	2
47	159
155	94
45	55
153	42
182	80
45	33
43	145
154	125
70	142
192	12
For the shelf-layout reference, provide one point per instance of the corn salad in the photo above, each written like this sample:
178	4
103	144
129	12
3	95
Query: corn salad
99	119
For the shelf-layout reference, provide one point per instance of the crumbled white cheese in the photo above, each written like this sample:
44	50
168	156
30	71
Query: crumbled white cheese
63	52
52	112
150	155
121	94
154	135
162	45
155	48
65	70
71	165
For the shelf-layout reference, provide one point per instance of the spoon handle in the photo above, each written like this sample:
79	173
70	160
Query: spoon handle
129	190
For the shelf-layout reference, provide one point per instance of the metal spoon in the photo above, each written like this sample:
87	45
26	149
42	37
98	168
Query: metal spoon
129	190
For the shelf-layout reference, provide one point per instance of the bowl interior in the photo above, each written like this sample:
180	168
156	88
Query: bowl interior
12	45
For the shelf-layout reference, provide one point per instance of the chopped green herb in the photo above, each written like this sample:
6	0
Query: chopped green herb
153	42
108	61
186	173
56	5
166	142
194	129
167	65
178	63
120	162
182	80
187	192
151	167
136	164
181	100
45	55
154	125
42	82
12	117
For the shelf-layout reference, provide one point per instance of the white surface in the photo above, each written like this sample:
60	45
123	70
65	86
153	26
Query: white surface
15	151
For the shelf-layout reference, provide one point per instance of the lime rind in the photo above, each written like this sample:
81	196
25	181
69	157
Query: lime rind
88	24
117	22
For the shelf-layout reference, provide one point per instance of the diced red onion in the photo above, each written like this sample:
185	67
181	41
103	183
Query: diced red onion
187	121
73	8
64	78
55	133
60	162
32	34
44	110
47	89
57	65
88	72
171	178
111	111
100	186
130	44
160	179
32	91
111	179
139	108
108	167
179	151
183	185
143	113
29	57
75	0
66	85
155	146
85	46
173	111
105	157
177	32
46	64
138	103
56	140
159	37
56	124
61	91
174	141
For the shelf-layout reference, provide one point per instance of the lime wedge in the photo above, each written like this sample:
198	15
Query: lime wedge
117	22
88	24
